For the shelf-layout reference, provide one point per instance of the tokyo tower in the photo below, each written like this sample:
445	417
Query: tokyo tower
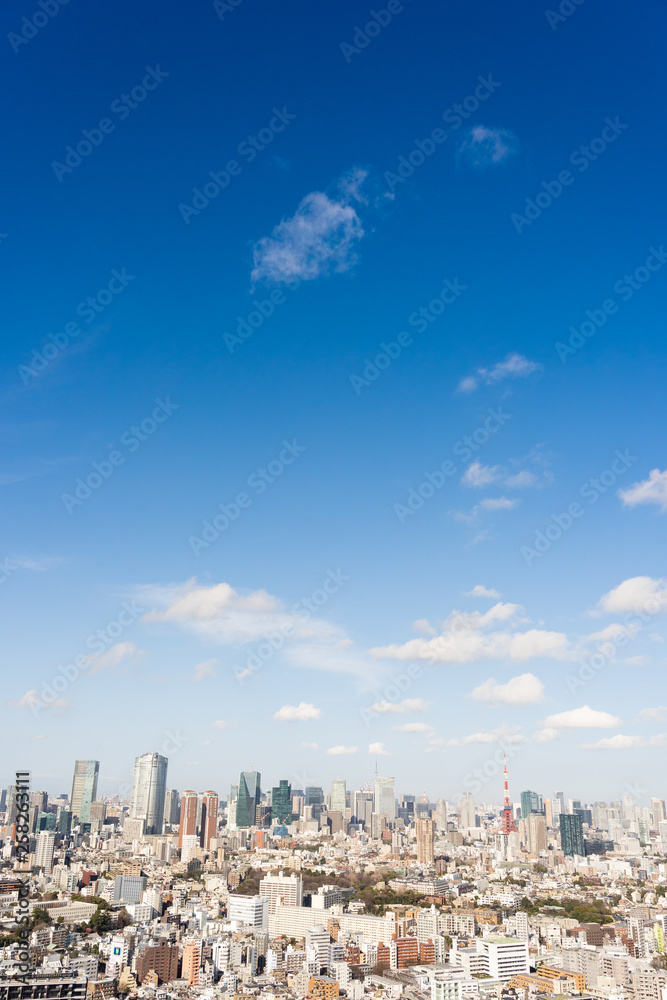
508	825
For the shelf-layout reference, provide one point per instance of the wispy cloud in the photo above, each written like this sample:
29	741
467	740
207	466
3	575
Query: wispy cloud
341	751
482	147
400	707
318	239
378	750
31	699
204	670
513	366
479	590
621	742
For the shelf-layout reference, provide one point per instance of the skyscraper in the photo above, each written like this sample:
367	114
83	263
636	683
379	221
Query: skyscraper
249	795
425	839
467	819
315	798
45	846
572	835
149	786
209	818
281	803
531	802
84	789
441	815
385	798
172	807
338	795
187	826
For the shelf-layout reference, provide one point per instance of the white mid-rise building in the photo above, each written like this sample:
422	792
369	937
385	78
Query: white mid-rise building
282	890
248	911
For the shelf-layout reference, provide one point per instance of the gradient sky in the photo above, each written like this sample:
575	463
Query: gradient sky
543	200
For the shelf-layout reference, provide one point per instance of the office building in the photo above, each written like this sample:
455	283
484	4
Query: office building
572	835
129	888
172	807
187	826
425	829
385	798
149	787
45	848
84	789
282	890
441	816
338	795
209	818
468	817
281	803
248	911
248	798
531	802
314	798
536	833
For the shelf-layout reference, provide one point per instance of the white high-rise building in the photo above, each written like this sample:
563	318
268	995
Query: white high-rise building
45	848
282	890
505	957
441	815
149	786
84	789
317	945
658	811
385	798
338	796
249	911
467	819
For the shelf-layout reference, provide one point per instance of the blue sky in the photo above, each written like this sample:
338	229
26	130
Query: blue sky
433	247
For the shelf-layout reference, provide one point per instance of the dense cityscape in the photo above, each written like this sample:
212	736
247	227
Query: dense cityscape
318	893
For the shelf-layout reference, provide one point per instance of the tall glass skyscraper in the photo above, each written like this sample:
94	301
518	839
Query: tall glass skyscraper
149	786
572	835
338	795
84	789
249	795
281	803
385	797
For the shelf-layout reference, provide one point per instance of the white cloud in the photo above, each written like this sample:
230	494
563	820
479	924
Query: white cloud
508	736
513	366
482	147
219	614
303	712
318	239
42	736
400	707
582	718
310	746
525	689
340	751
546	735
488	504
422	625
621	742
463	640
652	490
31	699
481	591
203	670
113	656
480	475
521	480
612	632
378	750
638	593
413	727
221	724
657	712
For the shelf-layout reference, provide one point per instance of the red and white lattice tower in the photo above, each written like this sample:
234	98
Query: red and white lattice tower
508	825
